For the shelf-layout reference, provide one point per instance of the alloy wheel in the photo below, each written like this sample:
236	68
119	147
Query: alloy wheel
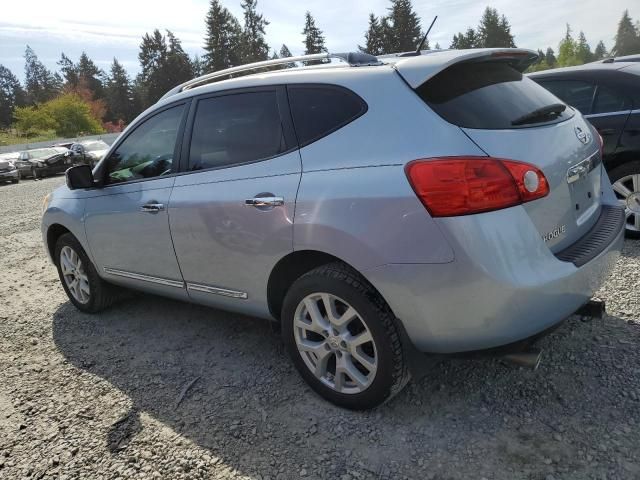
335	343
627	190
74	274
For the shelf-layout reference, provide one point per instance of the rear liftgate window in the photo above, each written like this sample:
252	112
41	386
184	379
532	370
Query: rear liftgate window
490	95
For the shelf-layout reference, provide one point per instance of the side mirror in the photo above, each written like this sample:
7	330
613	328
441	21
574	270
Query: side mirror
79	177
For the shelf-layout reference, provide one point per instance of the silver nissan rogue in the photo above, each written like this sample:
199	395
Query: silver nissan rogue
432	201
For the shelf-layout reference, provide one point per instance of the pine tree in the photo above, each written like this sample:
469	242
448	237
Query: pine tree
90	76
197	66
600	52
254	46
374	37
550	57
583	50
284	53
494	31
401	28
313	38
437	46
178	67
627	37
11	96
69	71
465	40
567	50
119	94
223	40
41	85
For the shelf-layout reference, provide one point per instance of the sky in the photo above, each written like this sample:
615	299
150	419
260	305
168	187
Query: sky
113	29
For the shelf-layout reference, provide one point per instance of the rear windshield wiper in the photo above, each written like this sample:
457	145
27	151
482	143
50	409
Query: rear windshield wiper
540	114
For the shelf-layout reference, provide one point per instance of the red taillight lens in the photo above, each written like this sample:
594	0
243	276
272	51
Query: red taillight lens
464	185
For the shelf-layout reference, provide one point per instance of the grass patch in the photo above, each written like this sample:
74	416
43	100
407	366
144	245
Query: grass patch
8	138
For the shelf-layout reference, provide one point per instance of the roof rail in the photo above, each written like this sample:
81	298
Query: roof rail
354	59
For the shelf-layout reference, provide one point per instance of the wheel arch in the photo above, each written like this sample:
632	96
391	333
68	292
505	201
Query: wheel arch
54	232
290	268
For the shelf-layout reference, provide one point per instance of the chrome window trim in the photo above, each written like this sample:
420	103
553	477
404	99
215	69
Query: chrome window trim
144	278
606	114
225	292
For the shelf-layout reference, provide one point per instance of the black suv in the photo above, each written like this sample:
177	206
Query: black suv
608	94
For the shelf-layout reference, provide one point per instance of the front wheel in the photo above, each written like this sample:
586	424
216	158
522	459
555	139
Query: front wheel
343	338
79	278
626	185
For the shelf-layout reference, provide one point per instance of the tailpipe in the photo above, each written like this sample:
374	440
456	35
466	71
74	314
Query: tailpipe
529	358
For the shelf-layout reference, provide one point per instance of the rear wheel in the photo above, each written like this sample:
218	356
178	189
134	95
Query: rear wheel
79	278
343	339
626	185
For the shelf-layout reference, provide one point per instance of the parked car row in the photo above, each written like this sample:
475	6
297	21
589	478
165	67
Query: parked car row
41	162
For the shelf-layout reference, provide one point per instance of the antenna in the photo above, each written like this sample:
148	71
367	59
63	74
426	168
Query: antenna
424	39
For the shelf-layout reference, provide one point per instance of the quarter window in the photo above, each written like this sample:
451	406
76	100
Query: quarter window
609	101
148	151
572	92
236	129
320	110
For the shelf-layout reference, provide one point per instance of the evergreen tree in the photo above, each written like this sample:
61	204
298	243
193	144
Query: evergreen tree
583	50
401	28
285	52
600	52
465	40
550	57
313	38
90	76
11	96
567	50
374	37
437	47
223	40
178	65
119	94
627	37
254	46
494	31
197	66
41	85
69	71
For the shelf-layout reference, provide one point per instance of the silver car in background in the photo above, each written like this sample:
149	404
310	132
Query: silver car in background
439	202
8	170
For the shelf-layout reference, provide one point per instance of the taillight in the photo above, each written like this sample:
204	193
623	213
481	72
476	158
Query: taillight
451	186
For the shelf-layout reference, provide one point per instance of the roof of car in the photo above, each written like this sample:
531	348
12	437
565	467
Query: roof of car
599	67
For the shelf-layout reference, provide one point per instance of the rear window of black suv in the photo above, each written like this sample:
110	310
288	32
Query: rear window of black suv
487	95
319	110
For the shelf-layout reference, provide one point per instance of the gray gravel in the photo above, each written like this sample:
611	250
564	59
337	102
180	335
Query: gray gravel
106	396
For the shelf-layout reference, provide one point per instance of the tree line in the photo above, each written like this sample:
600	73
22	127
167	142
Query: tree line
81	97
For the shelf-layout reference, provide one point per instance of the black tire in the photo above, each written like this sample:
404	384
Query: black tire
338	279
101	293
15	180
627	168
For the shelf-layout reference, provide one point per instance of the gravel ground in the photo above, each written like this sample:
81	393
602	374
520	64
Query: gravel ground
99	396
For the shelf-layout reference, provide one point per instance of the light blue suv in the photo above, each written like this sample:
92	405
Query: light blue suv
439	201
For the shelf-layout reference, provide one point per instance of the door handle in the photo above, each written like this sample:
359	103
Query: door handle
265	202
152	207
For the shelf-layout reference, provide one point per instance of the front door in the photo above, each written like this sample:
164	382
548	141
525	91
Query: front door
127	220
231	214
609	115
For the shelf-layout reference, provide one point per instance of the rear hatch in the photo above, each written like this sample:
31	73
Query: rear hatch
511	117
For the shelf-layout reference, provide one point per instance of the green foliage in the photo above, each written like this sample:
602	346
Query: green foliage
550	57
583	50
567	50
600	52
119	95
627	37
374	37
401	28
67	114
313	38
11	96
254	45
492	31
223	39
41	85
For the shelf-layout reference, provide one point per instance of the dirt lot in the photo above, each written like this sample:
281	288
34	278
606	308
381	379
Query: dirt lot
98	396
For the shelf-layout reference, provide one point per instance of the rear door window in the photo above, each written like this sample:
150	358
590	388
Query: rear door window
319	110
576	93
487	95
608	101
236	129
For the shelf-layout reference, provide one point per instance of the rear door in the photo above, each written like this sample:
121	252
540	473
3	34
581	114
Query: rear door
231	210
503	112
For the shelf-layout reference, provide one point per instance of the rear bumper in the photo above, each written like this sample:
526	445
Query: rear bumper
504	285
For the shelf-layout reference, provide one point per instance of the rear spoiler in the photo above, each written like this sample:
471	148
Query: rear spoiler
418	69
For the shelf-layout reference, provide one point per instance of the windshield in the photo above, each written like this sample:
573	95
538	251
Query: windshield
95	146
42	153
489	95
